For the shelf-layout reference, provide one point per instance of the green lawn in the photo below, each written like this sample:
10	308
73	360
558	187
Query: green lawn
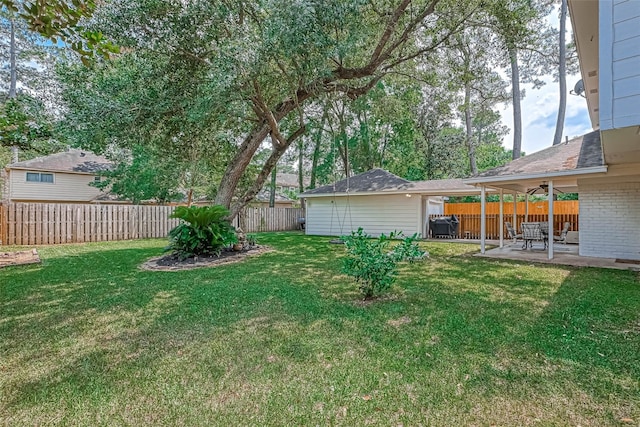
86	338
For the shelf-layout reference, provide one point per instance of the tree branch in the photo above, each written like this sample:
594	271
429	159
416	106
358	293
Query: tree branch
260	104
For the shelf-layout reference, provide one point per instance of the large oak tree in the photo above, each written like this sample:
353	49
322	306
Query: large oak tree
250	70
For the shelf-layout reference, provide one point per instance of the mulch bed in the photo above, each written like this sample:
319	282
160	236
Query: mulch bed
19	258
170	262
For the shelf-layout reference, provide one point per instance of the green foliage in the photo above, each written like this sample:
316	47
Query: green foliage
252	239
373	264
23	123
205	231
568	196
59	20
151	173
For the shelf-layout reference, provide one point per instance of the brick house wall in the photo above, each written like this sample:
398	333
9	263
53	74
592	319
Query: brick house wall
610	220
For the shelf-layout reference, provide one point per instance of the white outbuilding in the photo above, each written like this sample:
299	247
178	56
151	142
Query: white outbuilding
379	202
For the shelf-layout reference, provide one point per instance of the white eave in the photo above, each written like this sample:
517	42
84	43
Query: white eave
534	176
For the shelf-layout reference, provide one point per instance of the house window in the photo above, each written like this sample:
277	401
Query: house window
96	179
39	177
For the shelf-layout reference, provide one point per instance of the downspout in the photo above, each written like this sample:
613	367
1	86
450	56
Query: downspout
501	219
483	219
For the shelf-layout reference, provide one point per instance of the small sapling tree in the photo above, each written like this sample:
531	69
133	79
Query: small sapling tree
374	262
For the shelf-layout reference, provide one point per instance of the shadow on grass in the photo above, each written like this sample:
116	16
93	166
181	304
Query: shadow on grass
91	324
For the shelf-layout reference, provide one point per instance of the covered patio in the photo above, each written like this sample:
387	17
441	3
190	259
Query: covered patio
554	170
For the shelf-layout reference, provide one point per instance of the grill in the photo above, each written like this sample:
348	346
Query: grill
444	226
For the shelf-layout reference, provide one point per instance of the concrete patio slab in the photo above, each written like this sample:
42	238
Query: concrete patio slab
562	254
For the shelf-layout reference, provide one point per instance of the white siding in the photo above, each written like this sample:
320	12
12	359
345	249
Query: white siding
619	64
66	187
329	216
610	220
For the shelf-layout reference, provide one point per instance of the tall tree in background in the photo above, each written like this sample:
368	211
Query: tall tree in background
562	74
26	67
521	25
266	62
470	63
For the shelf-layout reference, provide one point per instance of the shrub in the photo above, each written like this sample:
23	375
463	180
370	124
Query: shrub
252	240
373	264
205	230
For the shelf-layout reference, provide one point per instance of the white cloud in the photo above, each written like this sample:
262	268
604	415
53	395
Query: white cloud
539	115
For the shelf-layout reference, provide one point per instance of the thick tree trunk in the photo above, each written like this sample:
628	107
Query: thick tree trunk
468	138
517	112
272	161
272	188
562	73
238	164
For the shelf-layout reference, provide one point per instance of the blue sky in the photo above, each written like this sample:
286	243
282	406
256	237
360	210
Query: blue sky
540	109
539	113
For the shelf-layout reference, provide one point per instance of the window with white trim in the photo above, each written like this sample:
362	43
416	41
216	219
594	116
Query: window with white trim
40	177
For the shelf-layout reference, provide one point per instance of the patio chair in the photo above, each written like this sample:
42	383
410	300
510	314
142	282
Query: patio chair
562	238
512	233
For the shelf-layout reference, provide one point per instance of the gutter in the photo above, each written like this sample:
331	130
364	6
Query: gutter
52	170
466	192
539	175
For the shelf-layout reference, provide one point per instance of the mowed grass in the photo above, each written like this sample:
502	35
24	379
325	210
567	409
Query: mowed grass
87	338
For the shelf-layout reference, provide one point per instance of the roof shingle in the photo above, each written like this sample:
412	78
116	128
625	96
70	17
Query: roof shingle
73	160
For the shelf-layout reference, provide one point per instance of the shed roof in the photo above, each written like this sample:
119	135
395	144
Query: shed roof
72	161
378	181
375	180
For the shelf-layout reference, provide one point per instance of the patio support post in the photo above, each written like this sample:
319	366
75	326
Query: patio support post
515	211
526	207
483	219
501	218
514	220
550	222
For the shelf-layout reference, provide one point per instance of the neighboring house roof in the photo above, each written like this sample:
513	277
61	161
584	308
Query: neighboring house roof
289	180
71	161
263	196
381	181
581	155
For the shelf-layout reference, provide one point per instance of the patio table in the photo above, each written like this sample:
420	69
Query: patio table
534	231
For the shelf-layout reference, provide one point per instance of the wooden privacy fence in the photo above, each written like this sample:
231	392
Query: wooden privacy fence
469	226
49	223
54	223
534	208
269	219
